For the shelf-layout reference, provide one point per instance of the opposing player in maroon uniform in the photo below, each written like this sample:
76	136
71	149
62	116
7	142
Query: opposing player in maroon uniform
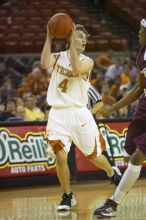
135	145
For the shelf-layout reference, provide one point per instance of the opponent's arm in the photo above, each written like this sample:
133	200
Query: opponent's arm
47	59
131	97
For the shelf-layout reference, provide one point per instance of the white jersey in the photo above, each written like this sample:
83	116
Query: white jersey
64	90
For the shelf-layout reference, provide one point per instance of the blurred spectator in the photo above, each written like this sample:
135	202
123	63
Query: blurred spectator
104	60
11	106
114	71
24	88
2	107
37	81
7	91
32	112
9	112
98	80
134	71
125	75
105	93
132	82
20	112
43	105
19	102
115	88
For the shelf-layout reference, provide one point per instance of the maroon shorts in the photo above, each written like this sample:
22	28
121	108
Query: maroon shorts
136	136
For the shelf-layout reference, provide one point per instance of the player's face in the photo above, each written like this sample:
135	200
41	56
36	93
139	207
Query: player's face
80	40
142	35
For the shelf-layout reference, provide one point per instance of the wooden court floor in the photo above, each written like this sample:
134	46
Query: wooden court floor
39	203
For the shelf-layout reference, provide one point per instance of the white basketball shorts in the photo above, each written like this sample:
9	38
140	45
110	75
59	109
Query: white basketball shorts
77	125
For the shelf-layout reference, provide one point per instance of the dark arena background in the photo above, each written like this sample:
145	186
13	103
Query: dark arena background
29	186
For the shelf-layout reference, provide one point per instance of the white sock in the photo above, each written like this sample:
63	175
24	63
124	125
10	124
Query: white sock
129	178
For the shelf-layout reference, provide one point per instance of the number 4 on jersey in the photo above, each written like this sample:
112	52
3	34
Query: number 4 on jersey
63	85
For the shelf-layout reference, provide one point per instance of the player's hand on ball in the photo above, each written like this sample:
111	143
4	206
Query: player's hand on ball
72	36
48	33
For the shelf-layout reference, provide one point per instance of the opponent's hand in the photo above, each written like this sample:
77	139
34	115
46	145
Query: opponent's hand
105	112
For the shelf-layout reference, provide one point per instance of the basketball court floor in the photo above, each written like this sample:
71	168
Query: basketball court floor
39	203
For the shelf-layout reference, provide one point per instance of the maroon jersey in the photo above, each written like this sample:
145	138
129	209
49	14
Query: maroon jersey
141	64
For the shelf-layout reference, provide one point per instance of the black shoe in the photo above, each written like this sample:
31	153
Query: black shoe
68	200
108	210
115	179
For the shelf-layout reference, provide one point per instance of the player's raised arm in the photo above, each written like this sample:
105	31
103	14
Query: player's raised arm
47	59
78	42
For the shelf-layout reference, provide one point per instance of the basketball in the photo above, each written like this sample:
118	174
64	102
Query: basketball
60	25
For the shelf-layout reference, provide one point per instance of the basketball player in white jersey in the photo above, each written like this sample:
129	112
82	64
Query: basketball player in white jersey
69	119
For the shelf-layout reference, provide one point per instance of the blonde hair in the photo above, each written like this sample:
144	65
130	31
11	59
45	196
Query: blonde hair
80	27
